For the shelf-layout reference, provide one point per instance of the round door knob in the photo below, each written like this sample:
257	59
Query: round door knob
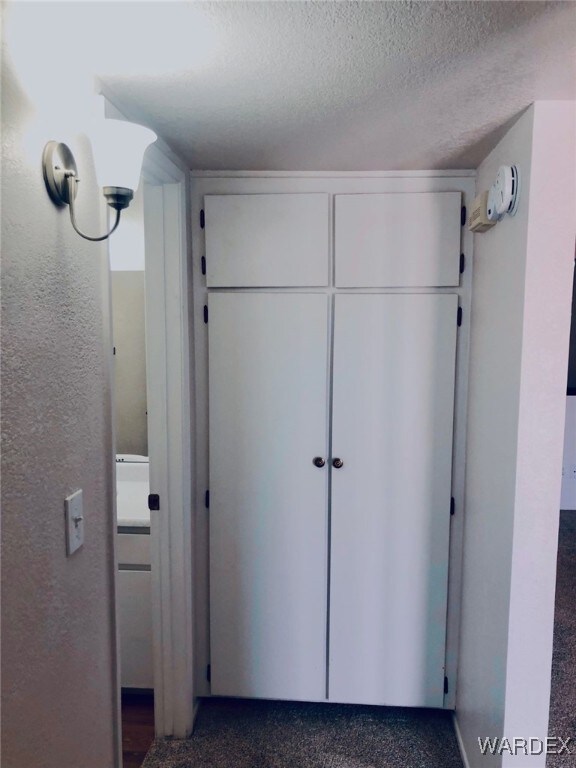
337	463
318	461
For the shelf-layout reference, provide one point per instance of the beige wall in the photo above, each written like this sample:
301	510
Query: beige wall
519	348
59	698
129	362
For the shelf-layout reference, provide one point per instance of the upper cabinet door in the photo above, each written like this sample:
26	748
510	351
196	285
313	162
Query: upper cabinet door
263	241
398	240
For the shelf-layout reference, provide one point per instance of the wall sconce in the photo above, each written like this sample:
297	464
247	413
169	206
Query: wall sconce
118	149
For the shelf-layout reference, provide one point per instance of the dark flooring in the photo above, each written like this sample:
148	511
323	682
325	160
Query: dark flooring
240	733
263	734
563	698
137	728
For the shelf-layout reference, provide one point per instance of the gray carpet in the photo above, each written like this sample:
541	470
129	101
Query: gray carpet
238	733
235	733
563	699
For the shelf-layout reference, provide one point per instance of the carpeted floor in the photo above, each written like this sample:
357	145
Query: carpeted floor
265	734
563	699
272	734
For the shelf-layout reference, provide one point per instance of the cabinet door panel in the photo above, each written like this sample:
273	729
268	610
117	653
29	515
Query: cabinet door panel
268	502
266	240
135	620
394	367
395	240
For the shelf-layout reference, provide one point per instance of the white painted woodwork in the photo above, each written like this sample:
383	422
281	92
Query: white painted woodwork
266	240
397	240
171	425
268	383
394	364
568	490
135	621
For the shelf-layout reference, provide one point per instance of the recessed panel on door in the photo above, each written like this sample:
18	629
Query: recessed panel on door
394	368
265	241
268	499
398	240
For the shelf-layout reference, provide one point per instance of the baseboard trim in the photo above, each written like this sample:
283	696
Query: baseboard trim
195	710
460	741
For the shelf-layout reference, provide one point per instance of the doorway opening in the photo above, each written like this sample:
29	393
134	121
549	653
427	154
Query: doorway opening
134	576
154	482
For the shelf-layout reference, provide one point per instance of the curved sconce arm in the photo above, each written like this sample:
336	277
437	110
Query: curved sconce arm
72	181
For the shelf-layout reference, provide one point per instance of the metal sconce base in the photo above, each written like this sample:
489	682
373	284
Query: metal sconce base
57	165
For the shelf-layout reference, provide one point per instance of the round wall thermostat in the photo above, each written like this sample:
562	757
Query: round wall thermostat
504	194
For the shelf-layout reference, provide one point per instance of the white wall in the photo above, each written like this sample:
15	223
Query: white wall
519	346
59	707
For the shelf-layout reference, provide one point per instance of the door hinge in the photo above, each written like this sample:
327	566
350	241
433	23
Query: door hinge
462	263
452	506
203	265
202	219
445	685
462	216
205	313
113	350
153	502
207	499
459	316
209	673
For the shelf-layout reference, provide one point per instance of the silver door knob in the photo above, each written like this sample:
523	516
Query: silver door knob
318	461
337	463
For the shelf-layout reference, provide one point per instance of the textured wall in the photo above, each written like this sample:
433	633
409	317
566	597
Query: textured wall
58	635
519	341
129	362
541	413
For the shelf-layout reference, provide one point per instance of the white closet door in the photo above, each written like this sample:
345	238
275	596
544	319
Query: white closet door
268	502
266	241
398	240
394	363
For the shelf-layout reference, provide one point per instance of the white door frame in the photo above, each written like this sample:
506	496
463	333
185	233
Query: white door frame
172	427
168	333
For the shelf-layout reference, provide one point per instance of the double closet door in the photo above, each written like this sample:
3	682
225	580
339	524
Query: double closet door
331	416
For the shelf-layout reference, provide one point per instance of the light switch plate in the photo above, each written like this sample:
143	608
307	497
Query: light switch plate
74	522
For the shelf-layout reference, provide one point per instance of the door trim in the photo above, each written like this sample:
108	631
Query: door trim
167	246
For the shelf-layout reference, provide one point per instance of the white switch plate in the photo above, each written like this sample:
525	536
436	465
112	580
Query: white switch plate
74	522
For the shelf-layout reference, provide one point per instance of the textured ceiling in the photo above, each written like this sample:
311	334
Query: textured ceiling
332	85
